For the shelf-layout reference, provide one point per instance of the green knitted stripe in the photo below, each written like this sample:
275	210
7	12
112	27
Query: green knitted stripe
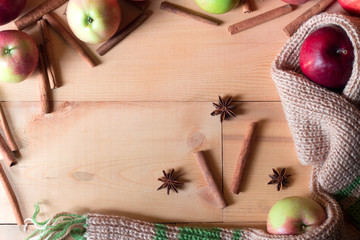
354	212
160	232
237	234
59	226
188	233
344	193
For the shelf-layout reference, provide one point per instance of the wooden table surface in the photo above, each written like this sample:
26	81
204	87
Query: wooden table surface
146	107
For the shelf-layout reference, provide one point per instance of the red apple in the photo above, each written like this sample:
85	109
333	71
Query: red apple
327	56
10	9
19	56
295	2
351	6
294	215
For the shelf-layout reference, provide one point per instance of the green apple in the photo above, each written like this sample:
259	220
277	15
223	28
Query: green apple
18	56
217	6
94	21
294	215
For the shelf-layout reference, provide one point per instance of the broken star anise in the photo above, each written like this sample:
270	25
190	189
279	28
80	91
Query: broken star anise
279	178
224	108
170	181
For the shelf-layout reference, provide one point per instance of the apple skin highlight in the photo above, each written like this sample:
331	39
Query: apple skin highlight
351	6
94	21
327	56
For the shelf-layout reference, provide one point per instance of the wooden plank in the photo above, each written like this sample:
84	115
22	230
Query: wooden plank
170	58
272	148
12	232
105	157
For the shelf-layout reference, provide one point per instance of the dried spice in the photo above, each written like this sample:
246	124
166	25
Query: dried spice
279	178
224	108
170	181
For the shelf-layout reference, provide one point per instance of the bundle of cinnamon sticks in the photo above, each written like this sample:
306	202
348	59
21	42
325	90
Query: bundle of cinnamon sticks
43	16
291	28
8	149
212	193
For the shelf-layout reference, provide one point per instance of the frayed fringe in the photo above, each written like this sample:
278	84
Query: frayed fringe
57	227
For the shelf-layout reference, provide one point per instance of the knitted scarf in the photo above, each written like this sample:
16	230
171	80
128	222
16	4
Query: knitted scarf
326	131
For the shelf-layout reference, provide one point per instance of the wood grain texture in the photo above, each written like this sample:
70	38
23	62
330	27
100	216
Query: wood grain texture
13	231
272	148
170	58
146	108
106	158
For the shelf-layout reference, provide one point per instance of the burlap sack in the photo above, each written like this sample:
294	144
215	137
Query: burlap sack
326	130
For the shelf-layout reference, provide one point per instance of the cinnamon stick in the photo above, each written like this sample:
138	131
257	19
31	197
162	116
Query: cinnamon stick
34	15
44	86
246	6
210	179
8	135
114	40
6	152
185	12
48	53
11	196
292	27
243	157
142	5
69	38
260	19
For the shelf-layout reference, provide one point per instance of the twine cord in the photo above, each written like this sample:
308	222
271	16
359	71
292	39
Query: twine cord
57	227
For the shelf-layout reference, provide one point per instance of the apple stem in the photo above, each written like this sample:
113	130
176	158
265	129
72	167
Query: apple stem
7	51
303	227
90	20
342	51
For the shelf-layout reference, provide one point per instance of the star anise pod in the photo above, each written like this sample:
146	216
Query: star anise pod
224	108
170	181
279	178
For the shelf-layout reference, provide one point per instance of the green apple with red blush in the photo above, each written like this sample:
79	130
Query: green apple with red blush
19	56
94	21
295	215
217	6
